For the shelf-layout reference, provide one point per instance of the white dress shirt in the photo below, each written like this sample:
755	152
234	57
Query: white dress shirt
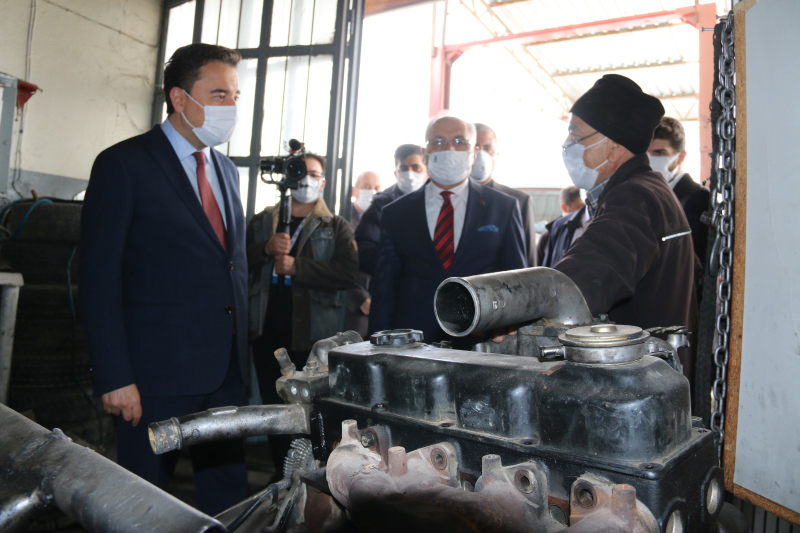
184	150
579	231
674	181
433	205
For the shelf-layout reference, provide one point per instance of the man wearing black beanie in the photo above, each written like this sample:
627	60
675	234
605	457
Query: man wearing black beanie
635	259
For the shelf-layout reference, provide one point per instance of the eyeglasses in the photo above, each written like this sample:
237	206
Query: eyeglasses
438	144
573	143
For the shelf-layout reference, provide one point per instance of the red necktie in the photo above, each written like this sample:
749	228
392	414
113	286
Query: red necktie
210	205
443	234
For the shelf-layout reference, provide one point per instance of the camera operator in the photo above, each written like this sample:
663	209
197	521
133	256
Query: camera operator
317	257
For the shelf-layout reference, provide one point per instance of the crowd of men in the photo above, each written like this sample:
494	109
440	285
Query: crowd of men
176	291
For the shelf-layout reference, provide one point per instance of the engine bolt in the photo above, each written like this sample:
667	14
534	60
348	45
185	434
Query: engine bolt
368	440
439	459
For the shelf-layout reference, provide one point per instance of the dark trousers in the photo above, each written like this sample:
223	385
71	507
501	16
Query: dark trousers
219	469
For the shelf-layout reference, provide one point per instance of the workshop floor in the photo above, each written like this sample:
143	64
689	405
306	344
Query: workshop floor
260	472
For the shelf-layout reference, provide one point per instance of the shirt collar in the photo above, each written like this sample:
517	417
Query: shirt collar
182	147
674	181
458	190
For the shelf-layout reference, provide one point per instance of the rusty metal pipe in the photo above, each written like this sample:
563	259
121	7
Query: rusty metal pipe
224	423
319	352
488	301
40	469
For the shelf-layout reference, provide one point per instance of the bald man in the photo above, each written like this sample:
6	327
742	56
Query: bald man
450	227
367	184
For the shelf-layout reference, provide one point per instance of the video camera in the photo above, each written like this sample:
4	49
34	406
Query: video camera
292	167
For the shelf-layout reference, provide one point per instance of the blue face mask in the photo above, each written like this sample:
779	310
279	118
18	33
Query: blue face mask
582	176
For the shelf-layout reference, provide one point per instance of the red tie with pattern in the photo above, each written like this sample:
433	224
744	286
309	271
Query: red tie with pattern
443	234
210	205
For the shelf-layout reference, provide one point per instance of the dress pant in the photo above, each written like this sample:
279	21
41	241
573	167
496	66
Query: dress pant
219	469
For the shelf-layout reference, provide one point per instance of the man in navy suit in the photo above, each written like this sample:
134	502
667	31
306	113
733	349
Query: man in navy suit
163	279
451	227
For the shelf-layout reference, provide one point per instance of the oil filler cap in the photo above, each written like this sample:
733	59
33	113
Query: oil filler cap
396	337
603	336
604	344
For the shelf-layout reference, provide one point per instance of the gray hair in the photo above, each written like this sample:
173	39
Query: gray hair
470	127
570	194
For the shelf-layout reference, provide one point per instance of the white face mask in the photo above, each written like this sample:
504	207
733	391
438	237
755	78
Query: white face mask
661	164
409	181
482	169
219	123
307	190
582	176
364	199
449	167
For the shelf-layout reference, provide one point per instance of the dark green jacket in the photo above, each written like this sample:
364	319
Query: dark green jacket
326	264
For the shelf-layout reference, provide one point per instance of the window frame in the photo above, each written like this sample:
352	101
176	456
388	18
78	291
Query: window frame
345	51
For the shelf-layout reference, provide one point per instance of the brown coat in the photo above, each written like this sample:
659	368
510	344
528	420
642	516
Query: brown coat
326	264
629	263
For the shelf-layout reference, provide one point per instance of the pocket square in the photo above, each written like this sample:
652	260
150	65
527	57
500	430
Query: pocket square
490	227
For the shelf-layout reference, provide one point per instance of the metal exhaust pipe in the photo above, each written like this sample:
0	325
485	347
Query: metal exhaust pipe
227	423
488	301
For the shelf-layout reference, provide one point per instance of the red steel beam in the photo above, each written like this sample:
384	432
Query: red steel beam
706	17
688	15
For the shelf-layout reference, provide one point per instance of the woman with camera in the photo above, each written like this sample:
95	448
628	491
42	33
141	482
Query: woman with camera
318	261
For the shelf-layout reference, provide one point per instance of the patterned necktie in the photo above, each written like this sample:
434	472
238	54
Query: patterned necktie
443	234
210	205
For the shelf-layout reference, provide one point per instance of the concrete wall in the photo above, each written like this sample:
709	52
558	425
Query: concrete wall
95	62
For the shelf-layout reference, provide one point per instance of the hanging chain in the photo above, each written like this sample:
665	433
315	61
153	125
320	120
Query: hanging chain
723	222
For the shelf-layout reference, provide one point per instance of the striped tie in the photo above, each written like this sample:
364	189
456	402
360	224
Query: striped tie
443	235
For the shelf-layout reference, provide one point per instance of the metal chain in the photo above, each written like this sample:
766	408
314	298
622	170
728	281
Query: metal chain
723	221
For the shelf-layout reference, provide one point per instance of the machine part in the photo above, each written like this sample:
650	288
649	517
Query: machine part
599	505
227	423
270	493
665	351
723	195
298	461
397	490
568	420
319	352
287	367
40	469
590	410
604	344
396	337
489	301
303	387
603	336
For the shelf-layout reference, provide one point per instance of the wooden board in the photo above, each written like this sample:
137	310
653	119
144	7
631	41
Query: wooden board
739	400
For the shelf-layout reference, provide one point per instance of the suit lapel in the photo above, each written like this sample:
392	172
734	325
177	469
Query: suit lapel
226	184
168	160
418	222
476	210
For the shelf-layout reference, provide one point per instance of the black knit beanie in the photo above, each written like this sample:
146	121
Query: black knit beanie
616	107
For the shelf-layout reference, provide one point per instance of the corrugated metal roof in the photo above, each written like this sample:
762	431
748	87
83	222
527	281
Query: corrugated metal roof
541	14
662	58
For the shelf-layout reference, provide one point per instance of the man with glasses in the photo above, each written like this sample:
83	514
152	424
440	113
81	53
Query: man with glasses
635	259
450	227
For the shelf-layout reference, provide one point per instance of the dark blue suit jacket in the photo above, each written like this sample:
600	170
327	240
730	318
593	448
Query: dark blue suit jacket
409	269
159	295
